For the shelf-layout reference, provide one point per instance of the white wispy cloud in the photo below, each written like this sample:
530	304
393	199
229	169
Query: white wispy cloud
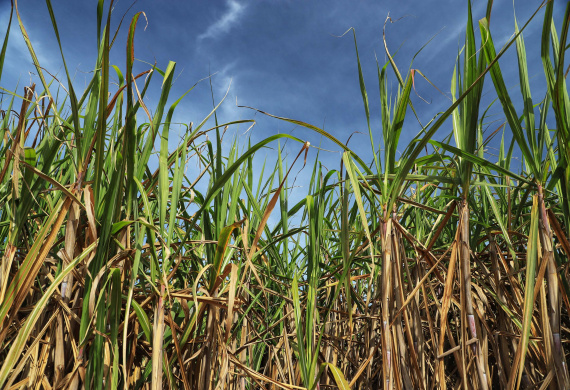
226	21
226	84
20	64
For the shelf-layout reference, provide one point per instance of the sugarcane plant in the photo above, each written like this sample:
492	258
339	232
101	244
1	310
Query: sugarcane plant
129	263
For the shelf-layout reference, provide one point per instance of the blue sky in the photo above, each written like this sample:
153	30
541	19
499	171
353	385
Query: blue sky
283	57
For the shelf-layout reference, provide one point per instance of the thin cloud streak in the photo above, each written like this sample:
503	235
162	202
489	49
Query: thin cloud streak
225	22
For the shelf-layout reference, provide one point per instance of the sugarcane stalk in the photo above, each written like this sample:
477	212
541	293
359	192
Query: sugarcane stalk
465	263
553	293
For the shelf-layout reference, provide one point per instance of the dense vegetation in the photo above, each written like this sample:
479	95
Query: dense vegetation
436	267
